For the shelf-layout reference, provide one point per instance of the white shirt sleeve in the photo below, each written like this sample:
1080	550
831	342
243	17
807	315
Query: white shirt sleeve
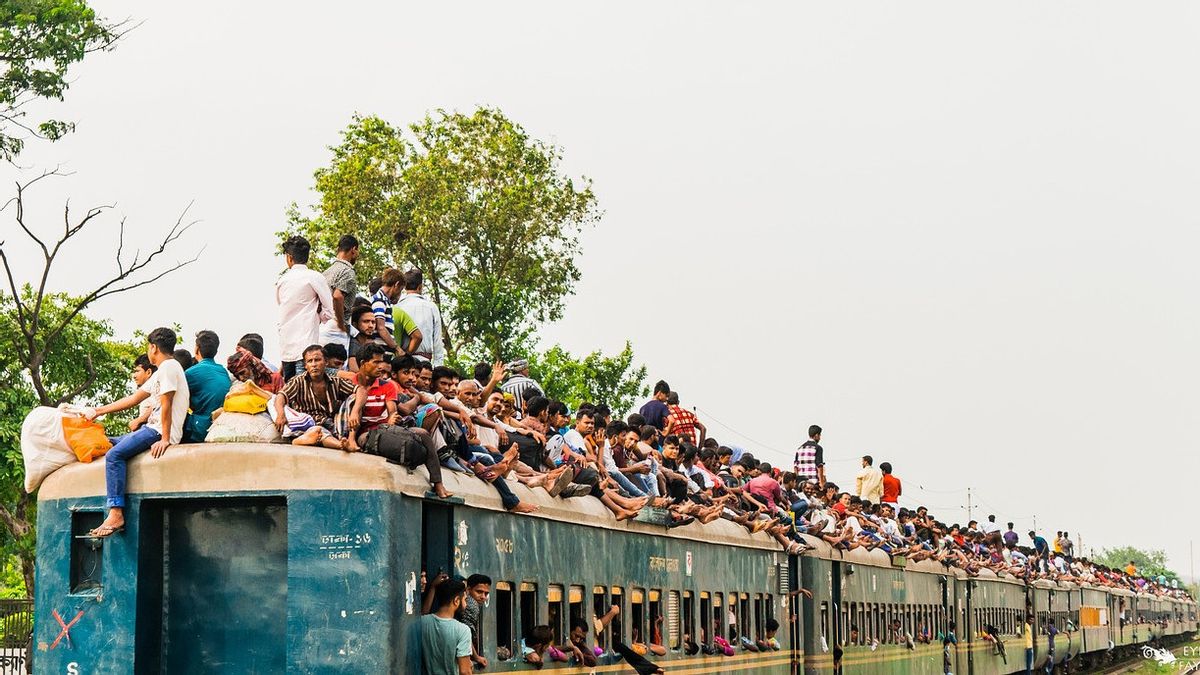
321	286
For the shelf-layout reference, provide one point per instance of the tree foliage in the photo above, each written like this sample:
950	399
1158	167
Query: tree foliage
595	378
39	41
1149	563
51	352
478	205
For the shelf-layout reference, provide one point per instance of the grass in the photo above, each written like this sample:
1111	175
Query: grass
1187	656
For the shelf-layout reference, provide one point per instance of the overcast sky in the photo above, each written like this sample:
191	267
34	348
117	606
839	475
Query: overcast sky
961	237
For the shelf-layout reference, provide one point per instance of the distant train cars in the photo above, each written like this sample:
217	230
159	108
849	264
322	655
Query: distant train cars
267	558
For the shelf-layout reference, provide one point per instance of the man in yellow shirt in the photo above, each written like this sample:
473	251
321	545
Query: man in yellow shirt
1131	569
1028	643
869	481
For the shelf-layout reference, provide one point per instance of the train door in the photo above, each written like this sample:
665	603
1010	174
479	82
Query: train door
836	593
437	538
794	613
969	626
212	593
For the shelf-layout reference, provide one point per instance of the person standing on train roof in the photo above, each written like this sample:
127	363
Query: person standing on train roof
869	481
208	382
655	411
1011	537
438	643
169	385
891	486
343	287
426	315
304	302
387	321
1068	548
683	422
989	526
810	458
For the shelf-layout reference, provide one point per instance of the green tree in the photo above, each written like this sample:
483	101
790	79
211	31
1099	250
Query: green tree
52	352
478	205
595	378
1149	563
39	41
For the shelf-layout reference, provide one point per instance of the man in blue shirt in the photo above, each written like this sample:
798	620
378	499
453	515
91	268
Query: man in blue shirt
208	382
655	410
1041	548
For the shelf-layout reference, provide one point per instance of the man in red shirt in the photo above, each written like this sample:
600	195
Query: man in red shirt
682	422
891	485
378	433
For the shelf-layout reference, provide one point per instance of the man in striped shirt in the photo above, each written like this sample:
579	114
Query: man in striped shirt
306	406
682	422
520	385
810	460
386	315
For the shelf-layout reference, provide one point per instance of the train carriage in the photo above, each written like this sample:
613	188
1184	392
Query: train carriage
272	558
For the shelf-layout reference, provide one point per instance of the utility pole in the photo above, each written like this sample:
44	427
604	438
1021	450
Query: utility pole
1035	522
969	517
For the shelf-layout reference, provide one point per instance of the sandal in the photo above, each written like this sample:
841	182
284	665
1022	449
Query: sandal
105	531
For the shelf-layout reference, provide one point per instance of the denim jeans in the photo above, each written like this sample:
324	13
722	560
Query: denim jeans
649	481
1028	659
626	484
124	449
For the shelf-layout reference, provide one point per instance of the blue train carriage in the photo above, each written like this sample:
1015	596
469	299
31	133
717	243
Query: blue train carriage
273	558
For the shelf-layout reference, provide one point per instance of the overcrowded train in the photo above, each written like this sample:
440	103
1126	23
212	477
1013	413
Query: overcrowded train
260	558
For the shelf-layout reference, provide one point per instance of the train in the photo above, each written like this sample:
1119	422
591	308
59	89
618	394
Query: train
268	558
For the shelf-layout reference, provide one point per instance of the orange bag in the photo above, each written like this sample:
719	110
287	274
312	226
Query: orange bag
87	439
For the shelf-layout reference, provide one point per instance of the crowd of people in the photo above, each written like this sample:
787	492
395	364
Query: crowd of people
366	372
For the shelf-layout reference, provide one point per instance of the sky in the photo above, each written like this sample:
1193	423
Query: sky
958	236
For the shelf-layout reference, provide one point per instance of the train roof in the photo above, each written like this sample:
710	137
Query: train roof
226	469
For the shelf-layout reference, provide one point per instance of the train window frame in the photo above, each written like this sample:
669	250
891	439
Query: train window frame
555	605
575	606
617	597
654	613
844	619
759	614
744	625
687	615
503	594
528	606
825	627
637	615
716	623
600	606
704	635
850	623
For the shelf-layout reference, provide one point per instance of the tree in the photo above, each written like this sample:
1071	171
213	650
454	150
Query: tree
1151	563
480	207
51	352
39	41
595	378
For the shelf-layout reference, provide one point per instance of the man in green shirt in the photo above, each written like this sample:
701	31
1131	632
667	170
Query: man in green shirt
440	644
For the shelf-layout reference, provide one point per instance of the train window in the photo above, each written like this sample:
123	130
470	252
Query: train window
731	618
504	618
825	626
716	622
529	617
554	611
672	620
656	618
689	617
759	633
574	606
744	618
852	625
599	608
844	619
705	617
86	558
637	618
863	628
770	613
618	599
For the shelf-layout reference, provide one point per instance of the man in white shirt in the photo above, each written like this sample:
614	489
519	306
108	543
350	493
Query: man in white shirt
304	302
426	315
164	428
869	481
989	527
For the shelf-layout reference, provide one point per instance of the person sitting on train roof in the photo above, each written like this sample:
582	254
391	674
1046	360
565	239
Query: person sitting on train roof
378	433
306	407
208	382
362	321
142	370
163	429
247	364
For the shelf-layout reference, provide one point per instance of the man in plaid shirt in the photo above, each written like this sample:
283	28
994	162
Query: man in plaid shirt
681	422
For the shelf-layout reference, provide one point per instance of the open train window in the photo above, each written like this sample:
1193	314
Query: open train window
554	611
689	615
825	627
759	632
575	608
673	620
504	619
528	607
618	599
770	613
600	607
706	633
654	629
730	618
716	623
87	555
637	619
744	619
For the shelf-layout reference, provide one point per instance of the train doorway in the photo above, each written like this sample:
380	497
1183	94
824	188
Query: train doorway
835	591
212	586
437	540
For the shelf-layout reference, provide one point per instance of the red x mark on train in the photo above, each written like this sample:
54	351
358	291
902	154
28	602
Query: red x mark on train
66	627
